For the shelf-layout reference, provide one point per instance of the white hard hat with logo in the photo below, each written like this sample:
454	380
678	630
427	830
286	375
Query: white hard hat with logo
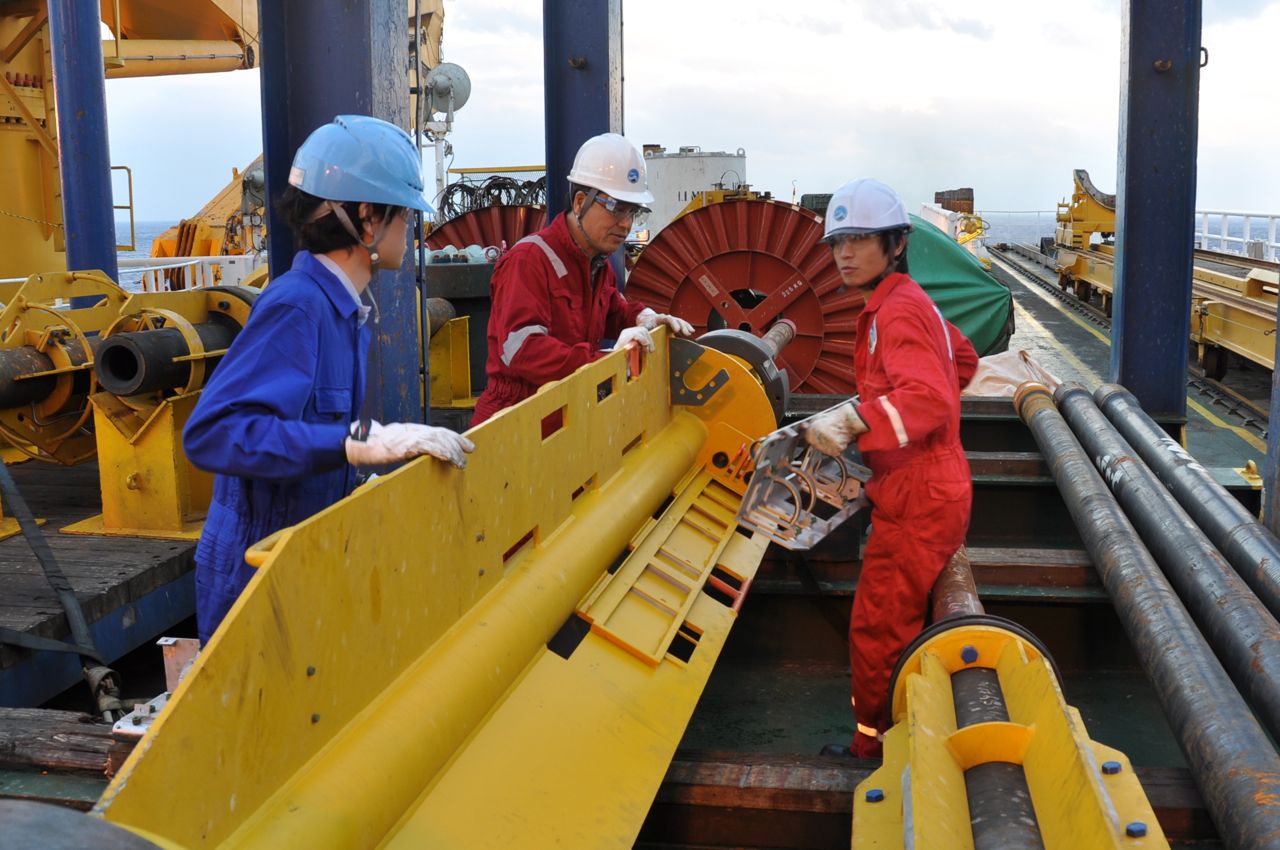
611	164
864	206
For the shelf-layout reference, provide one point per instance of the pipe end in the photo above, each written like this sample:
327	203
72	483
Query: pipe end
1069	388
1026	391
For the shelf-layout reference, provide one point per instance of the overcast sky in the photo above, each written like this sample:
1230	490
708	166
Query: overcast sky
1006	97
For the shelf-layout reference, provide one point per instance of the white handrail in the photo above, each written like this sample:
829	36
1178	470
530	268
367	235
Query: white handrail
228	270
1247	243
198	272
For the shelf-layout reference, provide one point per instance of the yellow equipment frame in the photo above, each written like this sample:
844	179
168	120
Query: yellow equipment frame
919	791
539	622
149	487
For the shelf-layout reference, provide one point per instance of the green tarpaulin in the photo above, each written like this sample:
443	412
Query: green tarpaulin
970	298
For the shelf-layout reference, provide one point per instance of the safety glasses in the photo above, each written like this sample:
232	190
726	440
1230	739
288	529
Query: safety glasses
839	240
623	210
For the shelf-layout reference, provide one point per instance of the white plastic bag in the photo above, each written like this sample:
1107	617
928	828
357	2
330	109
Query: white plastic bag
1000	374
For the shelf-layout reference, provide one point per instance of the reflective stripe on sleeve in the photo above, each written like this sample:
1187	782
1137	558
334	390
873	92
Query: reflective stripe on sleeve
869	731
515	339
552	256
895	419
946	334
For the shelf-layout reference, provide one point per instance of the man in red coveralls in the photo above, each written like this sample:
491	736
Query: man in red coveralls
555	296
909	367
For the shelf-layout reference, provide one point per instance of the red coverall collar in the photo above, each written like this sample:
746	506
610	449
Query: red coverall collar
883	290
561	241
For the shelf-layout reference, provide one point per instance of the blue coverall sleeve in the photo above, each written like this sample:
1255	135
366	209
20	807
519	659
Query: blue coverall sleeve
249	419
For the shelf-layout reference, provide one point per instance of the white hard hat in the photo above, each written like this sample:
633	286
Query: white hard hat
613	165
864	206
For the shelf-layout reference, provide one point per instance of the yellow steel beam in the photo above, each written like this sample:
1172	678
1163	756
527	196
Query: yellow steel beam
24	36
29	118
161	57
391	656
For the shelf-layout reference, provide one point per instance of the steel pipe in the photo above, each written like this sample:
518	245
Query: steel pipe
954	593
439	312
1233	761
146	361
778	337
16	364
1001	813
1249	545
1243	634
1000	810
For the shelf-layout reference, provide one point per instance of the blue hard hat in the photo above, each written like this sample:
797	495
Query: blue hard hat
360	158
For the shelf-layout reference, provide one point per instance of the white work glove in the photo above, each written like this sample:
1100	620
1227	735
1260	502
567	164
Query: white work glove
649	320
403	440
831	431
631	337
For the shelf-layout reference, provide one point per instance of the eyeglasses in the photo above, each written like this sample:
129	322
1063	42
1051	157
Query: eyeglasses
839	240
623	210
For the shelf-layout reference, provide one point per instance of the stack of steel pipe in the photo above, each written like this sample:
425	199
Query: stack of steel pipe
1249	545
1230	756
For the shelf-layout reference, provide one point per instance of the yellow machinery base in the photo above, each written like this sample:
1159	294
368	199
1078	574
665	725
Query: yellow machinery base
94	525
9	527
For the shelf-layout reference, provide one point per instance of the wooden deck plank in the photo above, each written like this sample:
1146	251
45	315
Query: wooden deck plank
107	573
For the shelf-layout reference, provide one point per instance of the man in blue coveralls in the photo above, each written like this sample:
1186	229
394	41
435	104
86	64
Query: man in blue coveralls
278	421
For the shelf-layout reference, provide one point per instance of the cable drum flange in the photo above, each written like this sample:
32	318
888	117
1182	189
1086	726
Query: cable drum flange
489	226
745	264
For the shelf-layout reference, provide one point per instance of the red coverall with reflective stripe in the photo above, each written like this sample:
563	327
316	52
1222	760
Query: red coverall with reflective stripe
910	365
543	324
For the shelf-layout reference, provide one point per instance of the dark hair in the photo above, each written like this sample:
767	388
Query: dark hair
889	241
326	233
574	189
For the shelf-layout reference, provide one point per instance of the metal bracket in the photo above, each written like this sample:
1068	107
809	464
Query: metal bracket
684	354
798	495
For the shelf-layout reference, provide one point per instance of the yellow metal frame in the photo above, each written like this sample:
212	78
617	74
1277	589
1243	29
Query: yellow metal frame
1076	804
449	358
149	487
38	315
9	526
392	655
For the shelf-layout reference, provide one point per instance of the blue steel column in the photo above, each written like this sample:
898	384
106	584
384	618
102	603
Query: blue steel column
582	75
322	58
1155	211
75	40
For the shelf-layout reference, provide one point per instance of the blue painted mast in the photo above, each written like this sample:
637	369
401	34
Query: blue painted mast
582	76
322	58
1156	196
75	41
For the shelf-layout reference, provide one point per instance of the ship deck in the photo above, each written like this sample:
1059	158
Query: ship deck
130	588
747	773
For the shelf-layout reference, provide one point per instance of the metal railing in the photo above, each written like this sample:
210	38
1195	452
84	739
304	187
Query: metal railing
148	273
133	224
1249	234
